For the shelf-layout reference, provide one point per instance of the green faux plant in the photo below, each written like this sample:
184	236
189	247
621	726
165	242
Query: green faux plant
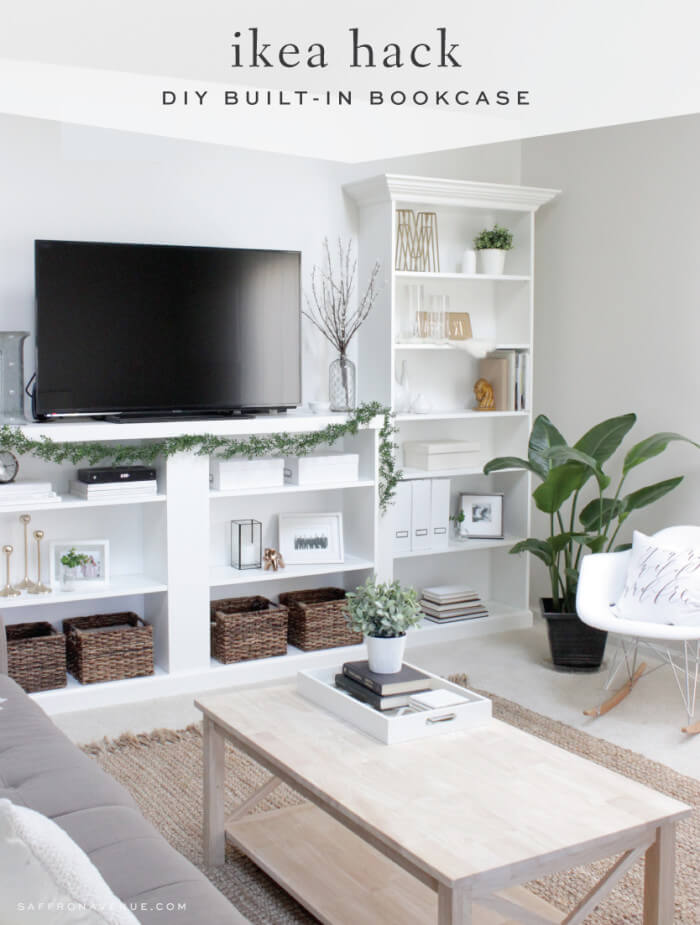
563	472
498	238
277	444
386	610
73	559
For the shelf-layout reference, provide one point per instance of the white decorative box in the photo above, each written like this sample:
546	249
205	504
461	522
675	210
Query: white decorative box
445	454
230	474
318	686
322	470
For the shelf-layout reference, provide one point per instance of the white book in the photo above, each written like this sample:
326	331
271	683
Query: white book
113	490
438	699
448	594
25	488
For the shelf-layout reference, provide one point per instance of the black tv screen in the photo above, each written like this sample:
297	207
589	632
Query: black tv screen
143	328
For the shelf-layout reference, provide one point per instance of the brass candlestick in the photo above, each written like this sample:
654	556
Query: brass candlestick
8	590
39	587
26	584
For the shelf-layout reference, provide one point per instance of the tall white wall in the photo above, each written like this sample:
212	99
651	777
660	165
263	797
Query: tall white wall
70	182
617	320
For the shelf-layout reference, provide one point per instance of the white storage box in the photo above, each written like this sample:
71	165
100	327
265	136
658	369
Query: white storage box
322	470
231	474
445	454
318	686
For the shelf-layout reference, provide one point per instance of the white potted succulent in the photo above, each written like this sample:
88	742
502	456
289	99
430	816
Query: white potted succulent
492	246
383	613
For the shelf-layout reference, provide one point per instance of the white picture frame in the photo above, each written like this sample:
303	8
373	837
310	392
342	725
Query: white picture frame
92	574
483	515
311	538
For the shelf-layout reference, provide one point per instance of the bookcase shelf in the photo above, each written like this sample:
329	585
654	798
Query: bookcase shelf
169	551
501	311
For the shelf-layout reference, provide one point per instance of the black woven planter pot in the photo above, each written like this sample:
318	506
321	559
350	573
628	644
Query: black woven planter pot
575	645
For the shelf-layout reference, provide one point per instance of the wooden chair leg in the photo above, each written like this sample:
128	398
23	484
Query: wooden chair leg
692	730
619	696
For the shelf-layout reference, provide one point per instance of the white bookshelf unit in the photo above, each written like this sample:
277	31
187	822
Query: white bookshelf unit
501	311
170	553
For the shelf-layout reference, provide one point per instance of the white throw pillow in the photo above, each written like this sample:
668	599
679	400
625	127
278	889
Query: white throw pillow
662	585
46	878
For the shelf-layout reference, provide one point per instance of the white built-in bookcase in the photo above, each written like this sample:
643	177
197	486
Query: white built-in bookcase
170	554
501	310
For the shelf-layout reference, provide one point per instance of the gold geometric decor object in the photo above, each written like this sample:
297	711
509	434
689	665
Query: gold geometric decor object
426	243
405	239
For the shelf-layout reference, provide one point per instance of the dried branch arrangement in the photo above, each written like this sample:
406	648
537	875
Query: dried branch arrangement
329	306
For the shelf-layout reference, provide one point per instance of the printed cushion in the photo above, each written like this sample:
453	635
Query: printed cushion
662	585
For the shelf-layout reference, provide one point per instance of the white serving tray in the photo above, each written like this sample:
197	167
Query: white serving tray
318	686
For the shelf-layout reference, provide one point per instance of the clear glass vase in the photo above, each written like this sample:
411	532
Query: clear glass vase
12	376
341	384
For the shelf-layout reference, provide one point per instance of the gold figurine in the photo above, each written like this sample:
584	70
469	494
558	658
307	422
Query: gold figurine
483	391
273	560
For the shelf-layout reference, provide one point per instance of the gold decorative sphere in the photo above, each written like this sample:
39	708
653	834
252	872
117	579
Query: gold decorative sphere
38	534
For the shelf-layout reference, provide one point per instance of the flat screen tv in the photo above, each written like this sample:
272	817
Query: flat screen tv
141	329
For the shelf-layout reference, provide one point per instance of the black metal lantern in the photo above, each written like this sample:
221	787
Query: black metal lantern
246	544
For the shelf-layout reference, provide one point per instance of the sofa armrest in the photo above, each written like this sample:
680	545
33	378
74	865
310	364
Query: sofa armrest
3	648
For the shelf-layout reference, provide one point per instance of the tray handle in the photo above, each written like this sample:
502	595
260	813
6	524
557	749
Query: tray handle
444	718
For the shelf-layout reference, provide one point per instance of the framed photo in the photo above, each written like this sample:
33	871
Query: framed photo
483	515
79	564
307	538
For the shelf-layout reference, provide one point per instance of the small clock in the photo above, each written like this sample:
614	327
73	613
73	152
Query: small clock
9	467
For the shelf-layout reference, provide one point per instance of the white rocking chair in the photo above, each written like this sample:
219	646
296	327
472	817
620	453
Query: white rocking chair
601	582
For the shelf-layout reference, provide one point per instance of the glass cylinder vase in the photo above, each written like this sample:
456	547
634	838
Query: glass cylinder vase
12	376
341	384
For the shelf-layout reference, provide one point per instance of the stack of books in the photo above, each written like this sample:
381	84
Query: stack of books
110	491
381	691
452	603
507	371
28	493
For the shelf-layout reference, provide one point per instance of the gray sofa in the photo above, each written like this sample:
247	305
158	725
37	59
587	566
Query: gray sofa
42	769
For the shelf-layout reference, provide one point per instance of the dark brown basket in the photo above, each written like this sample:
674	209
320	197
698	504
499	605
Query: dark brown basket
36	656
112	654
243	628
317	619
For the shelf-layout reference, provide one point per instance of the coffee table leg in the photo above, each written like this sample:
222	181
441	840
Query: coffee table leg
659	870
454	905
214	773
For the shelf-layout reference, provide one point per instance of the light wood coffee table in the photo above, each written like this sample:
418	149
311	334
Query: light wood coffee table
443	830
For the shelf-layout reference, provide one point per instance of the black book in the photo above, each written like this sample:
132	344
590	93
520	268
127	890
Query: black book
407	681
365	695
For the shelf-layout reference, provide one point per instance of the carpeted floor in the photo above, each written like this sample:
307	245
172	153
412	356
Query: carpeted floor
163	771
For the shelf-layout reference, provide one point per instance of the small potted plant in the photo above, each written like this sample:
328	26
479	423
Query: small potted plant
565	473
383	613
492	246
73	563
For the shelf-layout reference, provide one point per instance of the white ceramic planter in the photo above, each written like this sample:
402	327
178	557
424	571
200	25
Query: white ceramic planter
385	653
492	261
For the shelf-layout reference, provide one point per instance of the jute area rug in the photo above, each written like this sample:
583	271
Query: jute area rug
163	771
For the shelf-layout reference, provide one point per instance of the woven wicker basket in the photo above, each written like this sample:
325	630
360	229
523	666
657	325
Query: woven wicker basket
36	656
317	619
109	655
244	628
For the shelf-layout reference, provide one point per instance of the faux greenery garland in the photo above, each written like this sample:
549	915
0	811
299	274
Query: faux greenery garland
279	444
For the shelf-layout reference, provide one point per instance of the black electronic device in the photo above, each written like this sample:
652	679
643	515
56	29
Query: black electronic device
143	330
117	474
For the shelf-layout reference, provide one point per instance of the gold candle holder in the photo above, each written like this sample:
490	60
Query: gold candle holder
26	584
8	590
39	587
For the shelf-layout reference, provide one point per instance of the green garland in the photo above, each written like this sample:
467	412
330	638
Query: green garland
278	444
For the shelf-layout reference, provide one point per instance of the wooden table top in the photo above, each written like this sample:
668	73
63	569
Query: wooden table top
461	805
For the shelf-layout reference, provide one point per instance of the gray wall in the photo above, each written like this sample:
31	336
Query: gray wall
617	319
